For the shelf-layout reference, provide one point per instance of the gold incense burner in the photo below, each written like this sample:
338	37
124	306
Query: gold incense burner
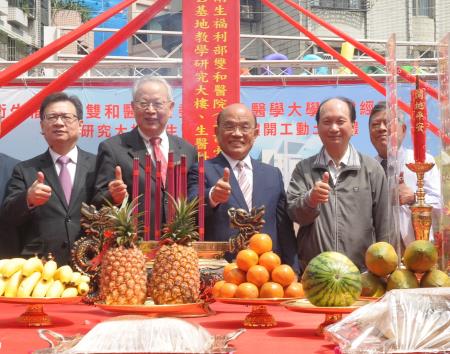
421	212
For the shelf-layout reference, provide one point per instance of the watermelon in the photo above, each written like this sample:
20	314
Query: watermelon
331	279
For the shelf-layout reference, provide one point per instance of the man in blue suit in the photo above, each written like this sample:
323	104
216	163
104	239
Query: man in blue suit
236	132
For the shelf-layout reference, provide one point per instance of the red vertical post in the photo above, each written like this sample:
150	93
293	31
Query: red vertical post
158	201
147	196
201	197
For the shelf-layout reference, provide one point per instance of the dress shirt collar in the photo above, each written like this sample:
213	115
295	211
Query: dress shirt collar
247	161
344	161
72	154
163	136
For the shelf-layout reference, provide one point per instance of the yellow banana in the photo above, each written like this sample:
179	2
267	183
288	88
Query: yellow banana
69	292
41	288
76	278
85	278
13	284
2	285
27	285
31	265
83	288
63	273
55	290
12	266
49	269
2	264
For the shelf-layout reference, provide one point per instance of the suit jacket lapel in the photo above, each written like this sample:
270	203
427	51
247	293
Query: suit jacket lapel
236	192
138	149
258	180
51	178
80	178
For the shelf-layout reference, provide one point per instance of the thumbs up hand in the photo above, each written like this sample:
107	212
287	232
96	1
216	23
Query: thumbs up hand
221	191
38	193
320	192
117	188
405	194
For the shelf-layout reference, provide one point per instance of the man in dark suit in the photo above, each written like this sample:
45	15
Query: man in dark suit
7	249
45	193
234	179
152	105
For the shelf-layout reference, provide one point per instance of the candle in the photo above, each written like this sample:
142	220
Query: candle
183	177
419	122
177	181
135	183
147	196
171	185
158	201
201	197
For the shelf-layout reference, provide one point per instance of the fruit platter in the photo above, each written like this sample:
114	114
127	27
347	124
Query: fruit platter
149	308
36	282
257	278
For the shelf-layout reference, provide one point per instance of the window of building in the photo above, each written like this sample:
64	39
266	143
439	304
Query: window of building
423	8
340	4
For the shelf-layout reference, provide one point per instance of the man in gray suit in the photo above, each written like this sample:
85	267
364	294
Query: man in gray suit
45	193
152	105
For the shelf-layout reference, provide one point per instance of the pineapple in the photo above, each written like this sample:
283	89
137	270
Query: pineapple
176	276
123	275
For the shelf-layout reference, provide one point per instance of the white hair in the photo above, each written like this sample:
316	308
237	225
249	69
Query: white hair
157	79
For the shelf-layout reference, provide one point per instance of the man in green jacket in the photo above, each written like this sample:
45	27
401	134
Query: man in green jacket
338	196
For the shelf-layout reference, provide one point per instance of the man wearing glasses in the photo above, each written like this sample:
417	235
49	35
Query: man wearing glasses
45	193
152	105
234	179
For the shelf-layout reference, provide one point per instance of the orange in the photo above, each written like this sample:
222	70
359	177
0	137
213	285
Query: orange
228	267
283	274
271	290
258	275
247	291
246	258
269	260
216	288
260	243
235	276
294	290
228	290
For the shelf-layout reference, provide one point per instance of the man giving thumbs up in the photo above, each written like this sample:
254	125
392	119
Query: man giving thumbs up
339	196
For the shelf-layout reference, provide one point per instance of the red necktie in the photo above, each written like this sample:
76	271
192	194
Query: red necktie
159	156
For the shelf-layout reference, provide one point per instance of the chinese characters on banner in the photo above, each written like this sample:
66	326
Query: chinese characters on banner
210	67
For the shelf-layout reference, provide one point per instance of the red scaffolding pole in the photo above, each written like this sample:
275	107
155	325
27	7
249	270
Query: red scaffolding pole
34	59
24	111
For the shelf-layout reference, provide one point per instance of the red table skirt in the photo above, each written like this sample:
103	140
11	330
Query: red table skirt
295	332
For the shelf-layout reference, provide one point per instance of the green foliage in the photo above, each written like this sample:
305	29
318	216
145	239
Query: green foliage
183	228
127	228
74	5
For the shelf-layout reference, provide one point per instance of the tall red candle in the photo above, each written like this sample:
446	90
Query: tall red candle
158	201
419	123
147	196
135	183
201	197
183	177
177	181
171	185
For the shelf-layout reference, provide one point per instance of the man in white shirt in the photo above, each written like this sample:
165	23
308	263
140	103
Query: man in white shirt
44	195
408	179
234	179
152	106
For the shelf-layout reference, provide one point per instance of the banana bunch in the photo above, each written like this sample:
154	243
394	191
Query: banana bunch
32	278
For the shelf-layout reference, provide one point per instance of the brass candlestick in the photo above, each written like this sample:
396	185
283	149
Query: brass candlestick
421	212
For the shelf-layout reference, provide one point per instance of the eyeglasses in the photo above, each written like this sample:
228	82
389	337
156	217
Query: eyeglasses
146	104
65	117
231	128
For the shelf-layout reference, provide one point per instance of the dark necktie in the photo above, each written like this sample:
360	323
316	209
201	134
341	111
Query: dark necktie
64	177
384	165
159	156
